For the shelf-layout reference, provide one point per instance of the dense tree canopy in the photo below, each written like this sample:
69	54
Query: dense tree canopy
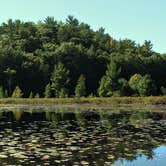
47	58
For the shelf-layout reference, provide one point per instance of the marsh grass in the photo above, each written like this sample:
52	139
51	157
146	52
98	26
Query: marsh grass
97	100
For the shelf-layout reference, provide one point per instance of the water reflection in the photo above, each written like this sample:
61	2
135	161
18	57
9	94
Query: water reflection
80	137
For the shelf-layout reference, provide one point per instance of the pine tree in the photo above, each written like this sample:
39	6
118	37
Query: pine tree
63	93
37	95
80	89
109	82
59	79
48	91
31	95
17	93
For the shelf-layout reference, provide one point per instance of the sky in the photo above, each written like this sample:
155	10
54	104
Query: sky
138	20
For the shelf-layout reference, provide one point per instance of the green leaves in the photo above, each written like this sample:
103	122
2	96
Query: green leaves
143	86
29	51
109	82
47	93
80	90
59	80
146	86
133	82
17	93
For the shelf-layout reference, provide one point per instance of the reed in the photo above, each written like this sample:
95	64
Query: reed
154	100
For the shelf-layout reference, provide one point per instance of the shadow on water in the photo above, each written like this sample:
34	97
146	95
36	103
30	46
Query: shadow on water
81	137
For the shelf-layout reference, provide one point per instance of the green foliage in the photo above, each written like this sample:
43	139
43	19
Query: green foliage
37	95
133	83
113	71
29	52
104	89
109	82
10	74
124	88
17	93
80	89
146	86
143	86
59	80
31	95
63	93
91	95
48	91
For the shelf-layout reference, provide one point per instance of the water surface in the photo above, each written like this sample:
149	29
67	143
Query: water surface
68	136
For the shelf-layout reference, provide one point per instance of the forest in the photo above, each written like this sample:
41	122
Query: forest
69	59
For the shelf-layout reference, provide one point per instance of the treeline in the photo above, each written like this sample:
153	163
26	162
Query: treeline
66	59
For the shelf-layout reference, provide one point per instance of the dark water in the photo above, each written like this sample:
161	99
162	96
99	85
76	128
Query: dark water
35	137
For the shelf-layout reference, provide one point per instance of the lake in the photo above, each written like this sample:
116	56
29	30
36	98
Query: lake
50	135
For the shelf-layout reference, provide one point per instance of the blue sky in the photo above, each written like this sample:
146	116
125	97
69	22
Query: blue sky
138	20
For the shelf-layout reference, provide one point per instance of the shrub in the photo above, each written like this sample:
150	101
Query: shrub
17	93
48	91
80	89
146	86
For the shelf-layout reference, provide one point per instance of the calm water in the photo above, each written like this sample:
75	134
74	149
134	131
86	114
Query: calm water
35	137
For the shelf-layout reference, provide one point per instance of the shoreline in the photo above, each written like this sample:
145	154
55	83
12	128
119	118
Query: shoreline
155	100
152	104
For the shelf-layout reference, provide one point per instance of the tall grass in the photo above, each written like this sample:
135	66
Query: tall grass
96	100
